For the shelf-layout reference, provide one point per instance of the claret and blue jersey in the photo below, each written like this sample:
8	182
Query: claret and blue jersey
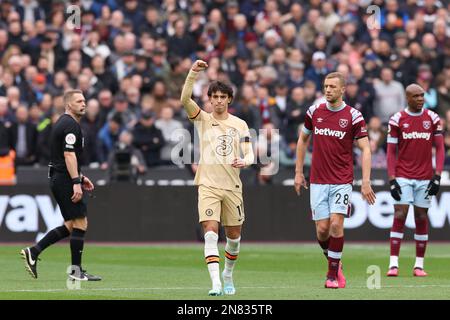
334	131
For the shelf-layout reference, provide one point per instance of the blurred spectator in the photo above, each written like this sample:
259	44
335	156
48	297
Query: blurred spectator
121	108
174	80
44	131
296	75
377	140
13	98
59	84
90	126
105	100
124	65
5	123
357	99
152	23
4	140
424	80
295	114
330	18
318	69
142	69
169	128
149	139
310	92
308	31
133	13
5	114
389	96
107	138
278	61
269	112
443	89
181	43
281	98
23	137
159	96
399	16
105	77
246	107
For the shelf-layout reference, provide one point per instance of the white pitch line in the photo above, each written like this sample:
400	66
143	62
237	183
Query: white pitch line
404	286
129	289
84	290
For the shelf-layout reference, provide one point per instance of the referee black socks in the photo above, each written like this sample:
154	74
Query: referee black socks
76	246
50	238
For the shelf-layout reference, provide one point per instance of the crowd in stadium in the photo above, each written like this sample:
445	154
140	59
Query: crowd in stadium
130	58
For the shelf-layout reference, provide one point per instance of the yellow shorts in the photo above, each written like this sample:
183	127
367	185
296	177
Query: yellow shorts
223	206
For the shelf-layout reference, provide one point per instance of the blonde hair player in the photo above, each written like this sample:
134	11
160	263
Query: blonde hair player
335	126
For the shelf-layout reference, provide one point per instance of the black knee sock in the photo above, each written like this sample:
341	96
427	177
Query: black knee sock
76	246
50	238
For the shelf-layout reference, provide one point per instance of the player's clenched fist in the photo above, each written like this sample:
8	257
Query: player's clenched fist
199	65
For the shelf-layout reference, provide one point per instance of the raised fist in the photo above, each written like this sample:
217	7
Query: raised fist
199	65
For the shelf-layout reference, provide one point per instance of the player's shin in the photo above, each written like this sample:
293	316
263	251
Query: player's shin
421	238
76	246
334	256
50	238
212	258
324	245
231	255
396	237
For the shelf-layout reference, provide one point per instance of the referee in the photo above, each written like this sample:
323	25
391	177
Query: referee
67	184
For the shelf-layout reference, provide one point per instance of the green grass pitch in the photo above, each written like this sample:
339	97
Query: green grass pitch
264	272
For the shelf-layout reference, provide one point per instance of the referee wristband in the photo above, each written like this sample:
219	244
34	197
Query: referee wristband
76	180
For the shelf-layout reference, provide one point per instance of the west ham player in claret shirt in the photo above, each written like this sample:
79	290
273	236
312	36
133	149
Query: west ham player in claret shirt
413	132
335	127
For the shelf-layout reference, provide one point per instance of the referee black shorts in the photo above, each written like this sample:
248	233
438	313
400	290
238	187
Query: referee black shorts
62	189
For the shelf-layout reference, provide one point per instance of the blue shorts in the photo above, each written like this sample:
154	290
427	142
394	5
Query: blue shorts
330	198
414	192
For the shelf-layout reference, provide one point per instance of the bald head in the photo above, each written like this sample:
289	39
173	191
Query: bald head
414	89
415	97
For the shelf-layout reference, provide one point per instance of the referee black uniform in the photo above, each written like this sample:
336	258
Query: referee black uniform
66	137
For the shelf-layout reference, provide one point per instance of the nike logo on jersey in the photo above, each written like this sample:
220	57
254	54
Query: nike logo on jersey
416	135
330	133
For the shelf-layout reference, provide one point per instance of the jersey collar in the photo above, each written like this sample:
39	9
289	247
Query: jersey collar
336	109
414	114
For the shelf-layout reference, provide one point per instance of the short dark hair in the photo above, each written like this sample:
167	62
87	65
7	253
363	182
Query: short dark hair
220	86
117	118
